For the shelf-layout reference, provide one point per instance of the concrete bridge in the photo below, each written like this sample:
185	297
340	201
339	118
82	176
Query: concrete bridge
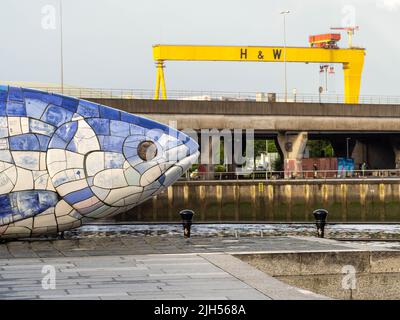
370	132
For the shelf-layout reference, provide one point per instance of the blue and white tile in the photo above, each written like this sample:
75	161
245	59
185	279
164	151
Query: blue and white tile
27	159
110	179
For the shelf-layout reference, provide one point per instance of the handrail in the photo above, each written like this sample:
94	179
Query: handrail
302	175
111	93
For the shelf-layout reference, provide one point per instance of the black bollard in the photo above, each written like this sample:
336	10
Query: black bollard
187	217
320	220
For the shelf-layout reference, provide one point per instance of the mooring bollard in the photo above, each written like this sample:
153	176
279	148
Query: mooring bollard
320	220
187	217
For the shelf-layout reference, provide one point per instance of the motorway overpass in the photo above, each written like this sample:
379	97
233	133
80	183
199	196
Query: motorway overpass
265	116
373	130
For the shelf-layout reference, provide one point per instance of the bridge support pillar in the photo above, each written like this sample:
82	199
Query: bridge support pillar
396	150
377	153
360	153
207	159
292	147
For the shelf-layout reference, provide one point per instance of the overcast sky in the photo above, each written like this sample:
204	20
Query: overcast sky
108	43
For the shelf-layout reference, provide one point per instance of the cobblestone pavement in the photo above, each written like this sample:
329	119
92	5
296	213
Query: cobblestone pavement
149	268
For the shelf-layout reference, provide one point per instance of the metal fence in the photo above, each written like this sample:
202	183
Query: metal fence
303	175
215	95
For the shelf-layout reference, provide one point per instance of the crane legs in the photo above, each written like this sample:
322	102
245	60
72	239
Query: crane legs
160	82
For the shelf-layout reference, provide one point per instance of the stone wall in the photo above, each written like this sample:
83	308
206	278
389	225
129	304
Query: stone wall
337	274
355	200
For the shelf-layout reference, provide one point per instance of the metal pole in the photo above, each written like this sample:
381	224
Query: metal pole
61	49
347	148
284	13
284	45
326	79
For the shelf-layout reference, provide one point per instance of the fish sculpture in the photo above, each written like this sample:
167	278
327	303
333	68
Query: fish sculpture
66	161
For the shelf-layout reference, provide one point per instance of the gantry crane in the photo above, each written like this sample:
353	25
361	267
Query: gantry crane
350	33
351	59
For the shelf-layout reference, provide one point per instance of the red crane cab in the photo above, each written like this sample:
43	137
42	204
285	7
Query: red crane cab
328	40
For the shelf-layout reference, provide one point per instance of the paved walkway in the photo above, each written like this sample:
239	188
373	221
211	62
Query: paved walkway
160	244
188	276
149	268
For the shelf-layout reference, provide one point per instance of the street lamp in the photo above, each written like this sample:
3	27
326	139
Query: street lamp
61	49
284	13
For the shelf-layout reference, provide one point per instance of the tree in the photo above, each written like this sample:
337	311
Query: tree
320	148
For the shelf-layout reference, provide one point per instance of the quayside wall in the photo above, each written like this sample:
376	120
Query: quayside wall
356	200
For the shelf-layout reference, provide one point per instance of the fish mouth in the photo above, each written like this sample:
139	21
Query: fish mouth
186	162
173	173
192	154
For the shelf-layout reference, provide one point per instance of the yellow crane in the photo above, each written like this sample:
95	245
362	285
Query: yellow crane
352	60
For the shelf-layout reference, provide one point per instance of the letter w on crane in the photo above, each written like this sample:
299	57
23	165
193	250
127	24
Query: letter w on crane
277	53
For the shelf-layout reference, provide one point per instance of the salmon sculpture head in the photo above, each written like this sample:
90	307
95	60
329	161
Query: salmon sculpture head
66	161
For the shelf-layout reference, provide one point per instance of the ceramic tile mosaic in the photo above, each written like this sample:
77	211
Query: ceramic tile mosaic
66	161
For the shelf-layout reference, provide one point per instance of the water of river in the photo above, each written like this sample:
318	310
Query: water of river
336	231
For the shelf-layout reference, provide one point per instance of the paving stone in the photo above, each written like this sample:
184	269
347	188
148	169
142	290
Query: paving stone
36	293
19	298
155	296
151	245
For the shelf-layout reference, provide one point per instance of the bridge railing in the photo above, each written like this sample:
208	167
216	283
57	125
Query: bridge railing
104	93
303	175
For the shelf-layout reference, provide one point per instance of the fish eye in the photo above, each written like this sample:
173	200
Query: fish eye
147	150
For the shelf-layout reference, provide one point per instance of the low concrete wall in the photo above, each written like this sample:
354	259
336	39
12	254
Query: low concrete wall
274	201
369	274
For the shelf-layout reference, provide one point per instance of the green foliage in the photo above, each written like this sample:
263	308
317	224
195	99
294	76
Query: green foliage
320	149
260	146
272	146
277	165
219	168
